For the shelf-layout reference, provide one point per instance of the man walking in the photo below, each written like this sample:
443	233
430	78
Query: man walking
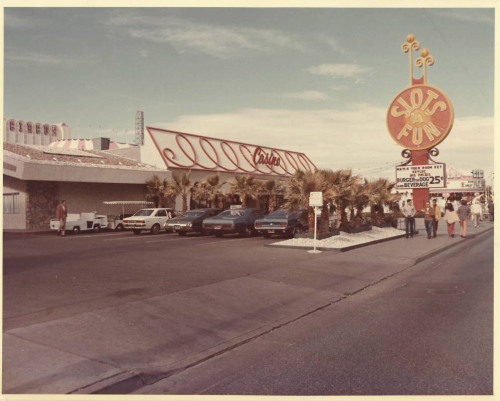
437	217
61	214
409	213
476	211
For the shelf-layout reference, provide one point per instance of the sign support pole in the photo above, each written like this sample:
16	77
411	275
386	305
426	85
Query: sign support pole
316	202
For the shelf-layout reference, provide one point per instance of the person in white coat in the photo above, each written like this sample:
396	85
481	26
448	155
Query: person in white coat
476	211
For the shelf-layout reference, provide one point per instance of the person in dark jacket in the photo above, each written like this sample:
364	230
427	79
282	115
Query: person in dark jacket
61	214
464	216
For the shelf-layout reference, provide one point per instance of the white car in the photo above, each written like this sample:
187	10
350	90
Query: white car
152	219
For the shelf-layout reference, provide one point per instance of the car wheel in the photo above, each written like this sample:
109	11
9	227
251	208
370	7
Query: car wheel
155	229
137	232
76	230
247	232
182	233
119	227
96	228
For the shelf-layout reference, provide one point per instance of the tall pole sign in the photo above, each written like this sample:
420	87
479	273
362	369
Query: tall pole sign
418	119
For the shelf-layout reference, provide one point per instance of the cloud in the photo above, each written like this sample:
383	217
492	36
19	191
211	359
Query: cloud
39	59
339	70
469	14
355	137
305	95
187	36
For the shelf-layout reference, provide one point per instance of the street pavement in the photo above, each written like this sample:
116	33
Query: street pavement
122	348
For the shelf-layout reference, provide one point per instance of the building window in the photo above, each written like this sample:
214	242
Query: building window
11	203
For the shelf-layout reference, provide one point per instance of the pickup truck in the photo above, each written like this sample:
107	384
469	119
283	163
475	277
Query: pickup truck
151	219
77	222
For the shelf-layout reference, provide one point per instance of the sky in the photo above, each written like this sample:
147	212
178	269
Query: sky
314	80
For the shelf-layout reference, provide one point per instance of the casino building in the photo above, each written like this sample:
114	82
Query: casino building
42	165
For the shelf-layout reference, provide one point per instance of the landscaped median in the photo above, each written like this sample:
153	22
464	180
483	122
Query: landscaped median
344	241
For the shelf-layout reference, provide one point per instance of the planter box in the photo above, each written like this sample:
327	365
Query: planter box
355	230
318	236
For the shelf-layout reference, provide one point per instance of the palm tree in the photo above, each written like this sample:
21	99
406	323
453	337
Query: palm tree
272	187
156	190
340	185
298	189
246	186
379	195
180	186
360	198
208	189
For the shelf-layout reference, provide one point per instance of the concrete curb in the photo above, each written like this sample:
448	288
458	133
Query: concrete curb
344	249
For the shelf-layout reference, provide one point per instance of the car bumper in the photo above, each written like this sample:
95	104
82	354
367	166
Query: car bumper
130	226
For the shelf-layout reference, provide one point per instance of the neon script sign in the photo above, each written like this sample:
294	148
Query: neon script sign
267	159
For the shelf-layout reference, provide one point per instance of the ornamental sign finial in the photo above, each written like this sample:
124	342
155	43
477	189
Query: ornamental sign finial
423	61
408	47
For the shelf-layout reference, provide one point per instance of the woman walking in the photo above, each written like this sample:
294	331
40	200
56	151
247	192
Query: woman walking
464	216
451	217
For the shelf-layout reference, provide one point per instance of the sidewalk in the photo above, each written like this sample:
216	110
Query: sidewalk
122	348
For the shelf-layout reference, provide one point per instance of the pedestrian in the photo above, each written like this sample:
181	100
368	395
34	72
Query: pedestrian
428	218
437	217
409	212
476	211
61	214
491	210
464	215
451	217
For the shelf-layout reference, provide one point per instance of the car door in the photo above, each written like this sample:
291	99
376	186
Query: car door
161	217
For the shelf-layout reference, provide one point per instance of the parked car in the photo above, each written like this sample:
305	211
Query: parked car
152	219
239	221
76	222
281	222
191	221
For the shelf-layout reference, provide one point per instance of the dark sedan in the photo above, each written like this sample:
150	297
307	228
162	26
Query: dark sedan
231	221
281	222
191	221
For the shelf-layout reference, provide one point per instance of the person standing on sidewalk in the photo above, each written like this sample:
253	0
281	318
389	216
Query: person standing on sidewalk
491	211
451	217
464	215
437	217
476	211
409	212
428	218
61	214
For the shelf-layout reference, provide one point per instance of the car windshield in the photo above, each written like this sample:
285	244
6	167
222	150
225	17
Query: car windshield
144	212
232	213
192	214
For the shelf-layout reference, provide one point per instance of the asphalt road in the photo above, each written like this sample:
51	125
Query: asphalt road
144	312
63	276
425	331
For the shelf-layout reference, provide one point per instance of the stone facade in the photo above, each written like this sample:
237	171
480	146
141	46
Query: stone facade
41	201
